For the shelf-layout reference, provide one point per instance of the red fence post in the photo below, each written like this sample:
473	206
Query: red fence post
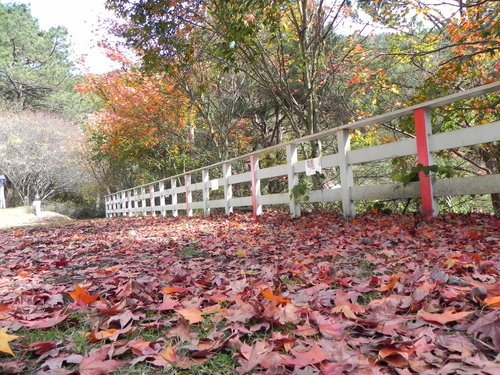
423	129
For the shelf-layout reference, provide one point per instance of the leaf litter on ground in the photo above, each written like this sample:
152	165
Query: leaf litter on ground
376	294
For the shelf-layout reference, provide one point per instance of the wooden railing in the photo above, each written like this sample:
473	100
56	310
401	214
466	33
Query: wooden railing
161	197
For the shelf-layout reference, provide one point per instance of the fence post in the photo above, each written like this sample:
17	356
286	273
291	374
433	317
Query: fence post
228	188
254	167
189	195
129	200
346	176
423	128
162	198
205	178
173	186
136	199
122	203
152	199
143	199
293	178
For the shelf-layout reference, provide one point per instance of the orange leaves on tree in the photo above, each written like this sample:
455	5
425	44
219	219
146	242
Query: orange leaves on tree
81	296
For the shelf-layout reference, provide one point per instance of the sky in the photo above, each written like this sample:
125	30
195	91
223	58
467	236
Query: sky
81	18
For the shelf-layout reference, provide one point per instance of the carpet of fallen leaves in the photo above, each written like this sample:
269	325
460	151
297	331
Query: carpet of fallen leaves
374	295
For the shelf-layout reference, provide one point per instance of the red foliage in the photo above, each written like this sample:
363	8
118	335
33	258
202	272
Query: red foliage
369	295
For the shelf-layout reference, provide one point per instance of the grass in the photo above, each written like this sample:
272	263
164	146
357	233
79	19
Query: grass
189	252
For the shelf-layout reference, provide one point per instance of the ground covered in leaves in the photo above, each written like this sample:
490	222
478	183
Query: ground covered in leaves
374	295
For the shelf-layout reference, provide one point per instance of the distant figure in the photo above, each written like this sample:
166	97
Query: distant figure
3	180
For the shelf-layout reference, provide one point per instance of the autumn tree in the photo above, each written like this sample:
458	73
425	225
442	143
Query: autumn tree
38	155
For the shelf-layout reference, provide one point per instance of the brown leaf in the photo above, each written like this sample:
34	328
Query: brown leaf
97	364
192	315
445	317
488	326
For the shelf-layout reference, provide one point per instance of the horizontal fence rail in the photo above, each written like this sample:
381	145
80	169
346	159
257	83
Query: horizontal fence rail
162	197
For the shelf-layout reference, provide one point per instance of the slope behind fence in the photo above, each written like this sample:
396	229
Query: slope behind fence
174	194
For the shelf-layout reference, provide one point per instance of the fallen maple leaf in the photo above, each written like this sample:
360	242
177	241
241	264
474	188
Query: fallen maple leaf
268	294
493	301
44	323
390	285
192	315
169	355
80	295
96	363
445	317
315	355
395	357
174	289
488	326
5	338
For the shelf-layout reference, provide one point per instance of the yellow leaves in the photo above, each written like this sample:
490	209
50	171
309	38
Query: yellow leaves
5	338
81	296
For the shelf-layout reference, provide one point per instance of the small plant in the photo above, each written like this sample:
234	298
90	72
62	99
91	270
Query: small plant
300	192
412	175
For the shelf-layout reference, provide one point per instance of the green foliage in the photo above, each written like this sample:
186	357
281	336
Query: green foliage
35	72
411	175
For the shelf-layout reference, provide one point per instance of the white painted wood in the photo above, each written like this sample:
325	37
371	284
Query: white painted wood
270	199
228	188
465	137
487	184
256	193
130	199
173	184
196	205
205	177
217	203
163	212
270	172
325	195
389	150
293	179
152	199
143	200
385	191
239	178
189	195
240	201
346	176
196	186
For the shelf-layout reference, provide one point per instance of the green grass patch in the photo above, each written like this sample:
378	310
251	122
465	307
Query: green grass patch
189	252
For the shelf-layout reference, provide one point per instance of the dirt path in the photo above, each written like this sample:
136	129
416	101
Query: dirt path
24	216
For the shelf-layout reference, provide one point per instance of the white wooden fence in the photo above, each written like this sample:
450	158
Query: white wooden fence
151	199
